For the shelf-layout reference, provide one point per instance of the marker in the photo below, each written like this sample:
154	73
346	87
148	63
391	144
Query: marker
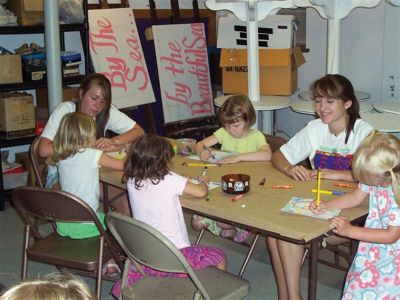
325	192
204	171
318	187
262	182
282	186
208	149
346	185
200	164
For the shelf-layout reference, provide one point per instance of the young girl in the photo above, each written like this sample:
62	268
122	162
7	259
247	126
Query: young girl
329	143
236	116
154	193
78	168
375	272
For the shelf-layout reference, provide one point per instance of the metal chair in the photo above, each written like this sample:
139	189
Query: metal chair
145	245
81	256
38	163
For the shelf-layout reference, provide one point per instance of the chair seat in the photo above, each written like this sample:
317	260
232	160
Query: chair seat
71	253
219	285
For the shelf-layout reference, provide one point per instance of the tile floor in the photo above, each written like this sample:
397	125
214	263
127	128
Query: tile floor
258	272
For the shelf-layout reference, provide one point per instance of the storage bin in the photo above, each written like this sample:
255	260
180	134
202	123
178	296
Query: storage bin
14	180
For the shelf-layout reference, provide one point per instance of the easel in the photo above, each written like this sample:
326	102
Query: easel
197	128
151	128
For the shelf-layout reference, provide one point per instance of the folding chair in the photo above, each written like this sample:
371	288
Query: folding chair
84	256
38	163
146	246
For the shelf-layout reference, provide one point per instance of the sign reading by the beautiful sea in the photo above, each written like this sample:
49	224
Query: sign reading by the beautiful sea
183	70
116	52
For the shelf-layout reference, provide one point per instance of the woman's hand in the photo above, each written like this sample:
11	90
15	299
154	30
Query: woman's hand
107	145
299	173
340	226
321	208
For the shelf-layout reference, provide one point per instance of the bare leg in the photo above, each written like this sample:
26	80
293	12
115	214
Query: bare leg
291	256
222	265
196	224
271	244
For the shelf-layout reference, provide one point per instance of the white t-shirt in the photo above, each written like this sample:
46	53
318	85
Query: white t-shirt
158	206
79	175
324	149
118	122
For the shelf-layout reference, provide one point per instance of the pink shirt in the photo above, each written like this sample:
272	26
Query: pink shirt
158	206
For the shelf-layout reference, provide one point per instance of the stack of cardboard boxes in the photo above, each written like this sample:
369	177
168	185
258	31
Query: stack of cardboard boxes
279	59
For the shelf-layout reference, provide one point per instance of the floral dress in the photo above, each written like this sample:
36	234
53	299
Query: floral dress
375	272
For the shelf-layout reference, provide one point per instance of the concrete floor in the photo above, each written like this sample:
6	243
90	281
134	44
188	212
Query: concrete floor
258	272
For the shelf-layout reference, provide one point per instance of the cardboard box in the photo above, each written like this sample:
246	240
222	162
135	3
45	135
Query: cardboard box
28	12
278	70
17	115
69	93
11	68
274	32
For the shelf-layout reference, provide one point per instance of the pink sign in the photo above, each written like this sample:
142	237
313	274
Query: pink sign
183	70
116	52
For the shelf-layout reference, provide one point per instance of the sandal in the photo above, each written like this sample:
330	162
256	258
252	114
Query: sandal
111	269
241	236
227	233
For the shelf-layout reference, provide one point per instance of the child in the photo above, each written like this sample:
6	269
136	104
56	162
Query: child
236	116
60	286
154	197
375	272
78	168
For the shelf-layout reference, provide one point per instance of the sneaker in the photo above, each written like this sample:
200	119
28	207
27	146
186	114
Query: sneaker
241	236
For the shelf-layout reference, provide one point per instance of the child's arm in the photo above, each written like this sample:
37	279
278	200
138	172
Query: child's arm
197	190
347	200
335	175
263	154
207	142
343	227
280	162
111	162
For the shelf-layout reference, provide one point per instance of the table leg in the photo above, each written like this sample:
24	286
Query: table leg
2	206
249	253
313	272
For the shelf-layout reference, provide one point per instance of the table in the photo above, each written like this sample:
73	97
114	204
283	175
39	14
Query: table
382	121
259	210
307	95
266	103
307	107
389	107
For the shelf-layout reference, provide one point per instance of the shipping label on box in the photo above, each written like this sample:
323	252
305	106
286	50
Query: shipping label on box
274	32
278	71
17	115
11	68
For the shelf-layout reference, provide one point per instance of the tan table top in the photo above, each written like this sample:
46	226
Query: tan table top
389	107
259	209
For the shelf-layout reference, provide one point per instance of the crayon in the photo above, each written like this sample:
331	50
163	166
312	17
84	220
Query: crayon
346	185
200	164
318	187
326	192
237	197
282	186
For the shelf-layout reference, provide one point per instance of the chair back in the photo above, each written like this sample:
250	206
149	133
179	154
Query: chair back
274	141
39	165
145	245
51	205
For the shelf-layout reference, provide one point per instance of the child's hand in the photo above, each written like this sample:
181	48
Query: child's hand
205	155
299	173
340	226
203	179
321	208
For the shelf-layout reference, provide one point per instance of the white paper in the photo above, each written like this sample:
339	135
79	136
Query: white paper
301	206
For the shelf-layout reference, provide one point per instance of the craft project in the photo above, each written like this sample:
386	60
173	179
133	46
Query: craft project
211	184
301	206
